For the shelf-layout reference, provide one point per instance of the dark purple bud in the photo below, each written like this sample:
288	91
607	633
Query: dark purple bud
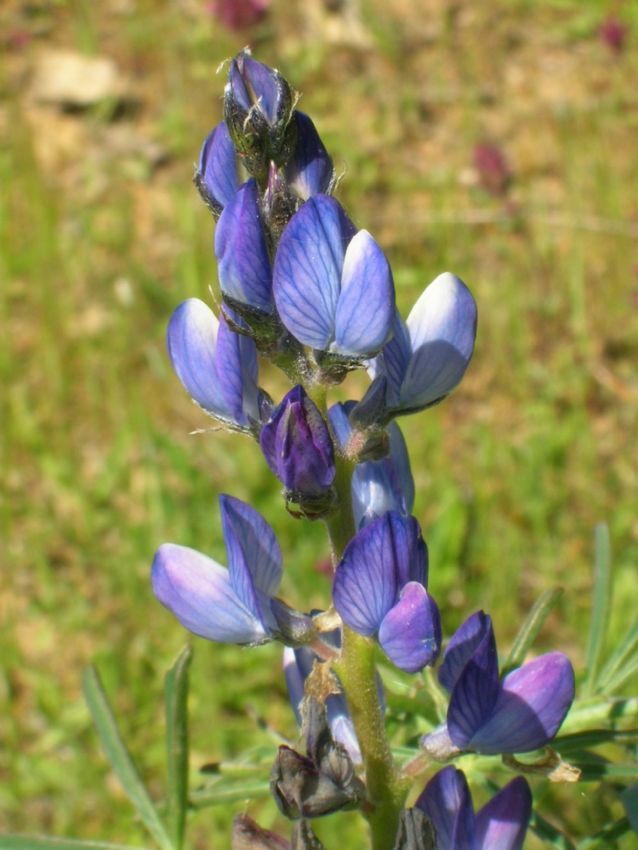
239	15
298	448
492	168
319	783
415	831
258	104
216	174
310	170
248	835
613	33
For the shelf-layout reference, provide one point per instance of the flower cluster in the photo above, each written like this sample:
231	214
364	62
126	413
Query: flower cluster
301	285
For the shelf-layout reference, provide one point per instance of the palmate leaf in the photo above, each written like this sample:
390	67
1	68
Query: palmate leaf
43	842
600	607
176	708
528	632
120	758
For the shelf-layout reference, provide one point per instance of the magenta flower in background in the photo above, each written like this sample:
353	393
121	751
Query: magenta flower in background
492	168
613	33
238	14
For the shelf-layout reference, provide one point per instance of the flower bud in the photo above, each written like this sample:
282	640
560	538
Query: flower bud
320	783
298	448
258	104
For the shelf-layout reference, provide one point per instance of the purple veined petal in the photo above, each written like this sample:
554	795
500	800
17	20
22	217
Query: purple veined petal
393	361
254	556
410	633
197	590
307	270
192	339
338	418
530	708
310	171
236	365
216	175
400	461
462	646
254	83
447	802
342	727
365	308
475	693
380	559
295	676
442	328
502	823
242	254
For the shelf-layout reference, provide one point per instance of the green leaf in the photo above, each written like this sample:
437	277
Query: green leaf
120	758
600	606
616	682
45	842
598	771
611	832
619	659
225	792
549	834
629	799
593	738
528	632
176	707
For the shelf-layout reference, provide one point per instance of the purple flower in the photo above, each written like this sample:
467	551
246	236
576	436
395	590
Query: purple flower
378	486
216	173
500	825
227	605
427	355
258	105
492	168
239	14
613	33
297	446
243	264
333	286
298	665
380	590
216	366
518	714
309	171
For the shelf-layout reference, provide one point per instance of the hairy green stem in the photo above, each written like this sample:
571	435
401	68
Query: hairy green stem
357	672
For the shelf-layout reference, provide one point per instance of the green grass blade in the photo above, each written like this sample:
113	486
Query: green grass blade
528	632
593	738
549	834
600	606
45	842
120	758
616	682
606	771
176	707
619	658
223	793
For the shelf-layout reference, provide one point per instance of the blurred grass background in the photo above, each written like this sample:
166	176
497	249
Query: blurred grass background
102	234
